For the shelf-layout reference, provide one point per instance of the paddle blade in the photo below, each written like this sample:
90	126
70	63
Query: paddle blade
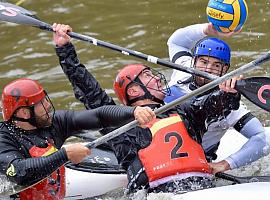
18	15
257	90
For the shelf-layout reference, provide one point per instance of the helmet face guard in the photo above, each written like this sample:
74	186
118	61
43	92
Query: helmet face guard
153	74
130	74
40	122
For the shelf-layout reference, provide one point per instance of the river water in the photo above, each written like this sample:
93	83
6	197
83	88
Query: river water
142	25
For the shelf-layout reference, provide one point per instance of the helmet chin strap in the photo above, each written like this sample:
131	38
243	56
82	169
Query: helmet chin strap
32	120
147	95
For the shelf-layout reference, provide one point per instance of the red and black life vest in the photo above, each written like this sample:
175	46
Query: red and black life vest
51	188
172	151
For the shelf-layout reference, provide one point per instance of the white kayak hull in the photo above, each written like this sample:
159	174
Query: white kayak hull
82	185
246	191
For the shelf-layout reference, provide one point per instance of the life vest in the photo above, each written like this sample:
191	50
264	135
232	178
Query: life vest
51	188
172	151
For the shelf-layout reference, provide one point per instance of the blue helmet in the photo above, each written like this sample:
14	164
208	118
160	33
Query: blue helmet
213	47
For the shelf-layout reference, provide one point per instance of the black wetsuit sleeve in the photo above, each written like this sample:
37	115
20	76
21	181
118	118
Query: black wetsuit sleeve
95	119
31	170
105	116
26	170
86	88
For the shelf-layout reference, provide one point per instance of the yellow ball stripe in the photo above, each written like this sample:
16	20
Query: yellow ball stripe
237	12
228	1
217	14
224	29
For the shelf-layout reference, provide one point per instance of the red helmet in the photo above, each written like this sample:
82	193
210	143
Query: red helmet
19	93
127	75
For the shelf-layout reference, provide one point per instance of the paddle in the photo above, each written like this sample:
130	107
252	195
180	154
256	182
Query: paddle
19	15
246	179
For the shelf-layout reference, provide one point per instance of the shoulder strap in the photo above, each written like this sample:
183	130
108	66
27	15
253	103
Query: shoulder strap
180	54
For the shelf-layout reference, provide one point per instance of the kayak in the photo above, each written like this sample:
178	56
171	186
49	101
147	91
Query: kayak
100	173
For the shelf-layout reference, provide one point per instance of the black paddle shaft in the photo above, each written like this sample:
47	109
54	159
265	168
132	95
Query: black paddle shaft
246	179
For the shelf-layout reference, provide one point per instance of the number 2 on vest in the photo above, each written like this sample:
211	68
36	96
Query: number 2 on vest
178	145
